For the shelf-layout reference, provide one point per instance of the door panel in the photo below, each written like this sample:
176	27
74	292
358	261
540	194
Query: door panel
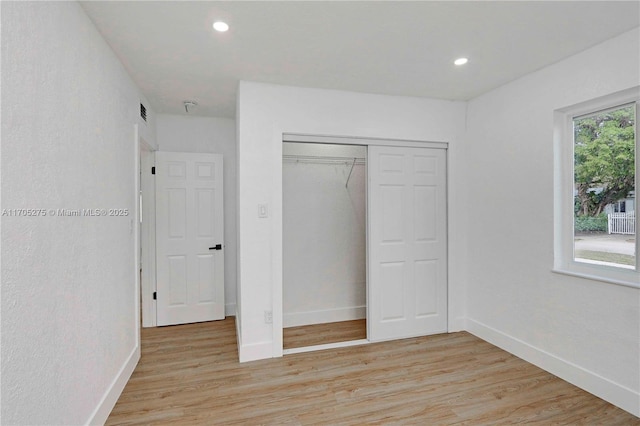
189	221
392	282
177	280
426	271
408	242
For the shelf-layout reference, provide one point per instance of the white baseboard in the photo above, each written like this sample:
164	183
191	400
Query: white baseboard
618	395
102	411
320	317
255	351
238	333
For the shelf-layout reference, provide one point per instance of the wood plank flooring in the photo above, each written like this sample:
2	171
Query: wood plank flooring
320	334
190	375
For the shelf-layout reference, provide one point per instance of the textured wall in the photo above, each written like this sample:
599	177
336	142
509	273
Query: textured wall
583	330
218	136
68	283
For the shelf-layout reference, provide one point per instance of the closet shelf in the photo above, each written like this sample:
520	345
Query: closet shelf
317	159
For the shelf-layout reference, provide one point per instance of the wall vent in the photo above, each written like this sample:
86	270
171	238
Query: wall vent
143	112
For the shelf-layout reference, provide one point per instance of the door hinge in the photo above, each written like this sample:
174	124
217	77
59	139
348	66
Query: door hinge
153	170
155	295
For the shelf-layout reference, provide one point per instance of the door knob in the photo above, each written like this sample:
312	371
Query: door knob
216	247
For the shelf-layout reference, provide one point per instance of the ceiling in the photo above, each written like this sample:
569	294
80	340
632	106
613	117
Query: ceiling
394	48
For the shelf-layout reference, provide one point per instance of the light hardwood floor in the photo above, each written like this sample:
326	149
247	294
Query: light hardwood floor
190	375
320	334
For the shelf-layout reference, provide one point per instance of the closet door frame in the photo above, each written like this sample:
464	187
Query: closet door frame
342	140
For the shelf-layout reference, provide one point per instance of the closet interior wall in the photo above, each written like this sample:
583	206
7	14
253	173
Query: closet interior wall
324	233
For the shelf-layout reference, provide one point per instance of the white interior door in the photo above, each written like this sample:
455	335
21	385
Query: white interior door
189	238
407	242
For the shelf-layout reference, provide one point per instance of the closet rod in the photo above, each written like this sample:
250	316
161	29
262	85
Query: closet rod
346	185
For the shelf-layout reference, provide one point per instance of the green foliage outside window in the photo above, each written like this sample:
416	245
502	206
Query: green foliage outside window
591	223
604	160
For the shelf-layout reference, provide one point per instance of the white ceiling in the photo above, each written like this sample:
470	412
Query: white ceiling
396	48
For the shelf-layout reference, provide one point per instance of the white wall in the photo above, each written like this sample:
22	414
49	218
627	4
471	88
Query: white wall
70	335
324	235
177	133
265	112
587	332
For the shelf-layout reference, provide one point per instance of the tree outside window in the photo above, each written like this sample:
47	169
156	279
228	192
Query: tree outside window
604	179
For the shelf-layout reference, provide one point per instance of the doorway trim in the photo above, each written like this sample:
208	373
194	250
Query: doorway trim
350	155
354	140
145	232
334	345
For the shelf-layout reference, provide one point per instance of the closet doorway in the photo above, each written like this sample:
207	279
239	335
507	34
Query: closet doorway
324	245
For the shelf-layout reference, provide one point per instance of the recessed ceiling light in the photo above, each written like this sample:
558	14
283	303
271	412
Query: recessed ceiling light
461	61
220	26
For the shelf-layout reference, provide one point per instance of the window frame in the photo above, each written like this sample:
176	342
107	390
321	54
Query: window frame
564	261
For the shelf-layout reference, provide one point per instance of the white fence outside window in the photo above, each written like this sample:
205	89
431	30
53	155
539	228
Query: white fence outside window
621	223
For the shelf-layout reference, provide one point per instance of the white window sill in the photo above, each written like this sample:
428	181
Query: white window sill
601	263
633	281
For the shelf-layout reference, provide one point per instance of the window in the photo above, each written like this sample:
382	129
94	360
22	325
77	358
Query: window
620	207
596	174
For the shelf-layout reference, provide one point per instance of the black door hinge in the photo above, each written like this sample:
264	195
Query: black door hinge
155	295
153	170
